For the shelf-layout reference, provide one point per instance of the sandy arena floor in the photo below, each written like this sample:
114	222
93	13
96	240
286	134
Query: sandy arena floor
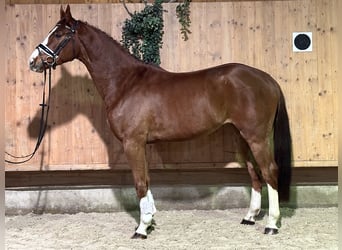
303	228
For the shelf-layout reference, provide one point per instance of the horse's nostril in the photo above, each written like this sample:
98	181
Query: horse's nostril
32	64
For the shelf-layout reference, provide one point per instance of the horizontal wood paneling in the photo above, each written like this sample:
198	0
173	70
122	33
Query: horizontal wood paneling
209	176
257	33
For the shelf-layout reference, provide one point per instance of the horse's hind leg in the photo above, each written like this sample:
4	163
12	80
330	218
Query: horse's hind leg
263	155
135	153
255	203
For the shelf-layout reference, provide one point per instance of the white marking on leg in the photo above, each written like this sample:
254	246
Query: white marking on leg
274	212
255	206
151	199
147	210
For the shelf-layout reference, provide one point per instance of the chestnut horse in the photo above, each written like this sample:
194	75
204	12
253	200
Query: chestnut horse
146	104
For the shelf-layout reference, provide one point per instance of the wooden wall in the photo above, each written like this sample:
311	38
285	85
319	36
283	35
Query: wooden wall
258	33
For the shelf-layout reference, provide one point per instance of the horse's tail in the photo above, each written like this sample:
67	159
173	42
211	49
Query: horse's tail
283	149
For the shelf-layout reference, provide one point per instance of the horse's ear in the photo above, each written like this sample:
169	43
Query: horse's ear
62	12
67	15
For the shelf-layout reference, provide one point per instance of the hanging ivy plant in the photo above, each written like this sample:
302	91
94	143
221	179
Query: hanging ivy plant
183	15
142	34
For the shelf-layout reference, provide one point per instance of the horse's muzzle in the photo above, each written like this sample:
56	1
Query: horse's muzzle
36	65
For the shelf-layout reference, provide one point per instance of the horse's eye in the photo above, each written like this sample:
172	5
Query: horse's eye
58	35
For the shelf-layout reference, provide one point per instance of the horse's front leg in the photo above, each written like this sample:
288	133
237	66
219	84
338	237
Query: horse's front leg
135	153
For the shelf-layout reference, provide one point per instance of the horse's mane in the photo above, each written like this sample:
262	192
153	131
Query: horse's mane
109	38
118	45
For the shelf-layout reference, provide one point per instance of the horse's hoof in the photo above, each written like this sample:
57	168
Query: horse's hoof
139	236
271	231
247	222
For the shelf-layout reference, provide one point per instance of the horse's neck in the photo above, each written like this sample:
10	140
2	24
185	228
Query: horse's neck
104	59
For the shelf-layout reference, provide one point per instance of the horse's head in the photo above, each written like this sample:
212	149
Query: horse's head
59	46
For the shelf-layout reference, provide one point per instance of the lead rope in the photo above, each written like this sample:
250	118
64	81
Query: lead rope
42	127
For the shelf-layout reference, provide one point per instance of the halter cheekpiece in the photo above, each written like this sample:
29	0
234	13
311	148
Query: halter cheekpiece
51	60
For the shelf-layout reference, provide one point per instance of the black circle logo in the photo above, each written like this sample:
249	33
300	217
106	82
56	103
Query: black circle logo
302	41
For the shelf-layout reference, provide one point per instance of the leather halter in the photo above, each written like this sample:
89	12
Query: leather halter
52	56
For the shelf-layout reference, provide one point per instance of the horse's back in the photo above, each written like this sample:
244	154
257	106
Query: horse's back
223	89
